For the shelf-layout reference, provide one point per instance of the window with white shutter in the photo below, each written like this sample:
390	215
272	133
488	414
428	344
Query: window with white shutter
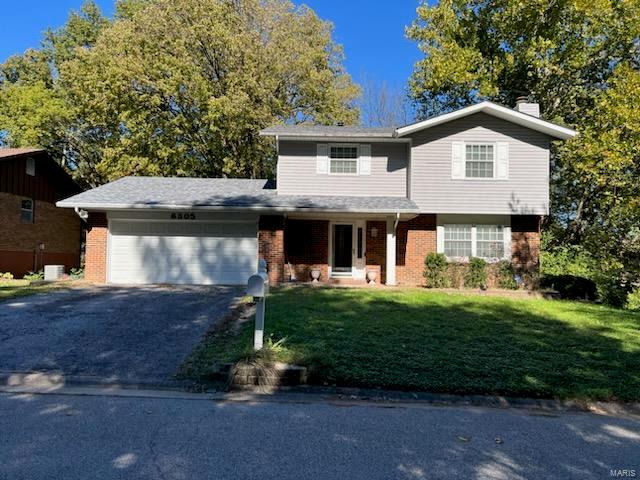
322	159
365	159
457	160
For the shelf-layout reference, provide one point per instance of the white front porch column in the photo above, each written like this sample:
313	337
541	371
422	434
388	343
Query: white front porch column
391	251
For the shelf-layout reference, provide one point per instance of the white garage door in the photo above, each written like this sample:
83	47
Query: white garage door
182	252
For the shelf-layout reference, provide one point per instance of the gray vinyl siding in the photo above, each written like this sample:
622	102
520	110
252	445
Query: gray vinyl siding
525	192
297	172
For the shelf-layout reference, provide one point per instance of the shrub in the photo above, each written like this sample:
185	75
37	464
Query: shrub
570	286
435	270
6	276
76	273
476	275
455	274
633	299
506	275
34	276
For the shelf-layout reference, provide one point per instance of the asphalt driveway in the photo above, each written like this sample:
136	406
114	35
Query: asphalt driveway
128	335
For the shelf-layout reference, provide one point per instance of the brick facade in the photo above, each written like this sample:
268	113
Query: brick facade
376	252
306	248
95	262
414	240
271	246
58	229
525	242
297	246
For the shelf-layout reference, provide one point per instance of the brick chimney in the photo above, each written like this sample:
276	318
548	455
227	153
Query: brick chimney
524	106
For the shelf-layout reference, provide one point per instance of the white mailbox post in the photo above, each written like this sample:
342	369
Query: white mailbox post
258	287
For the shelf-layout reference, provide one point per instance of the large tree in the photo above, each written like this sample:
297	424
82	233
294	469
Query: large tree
580	60
182	87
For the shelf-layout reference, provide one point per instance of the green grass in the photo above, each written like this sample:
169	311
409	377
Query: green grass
420	340
20	288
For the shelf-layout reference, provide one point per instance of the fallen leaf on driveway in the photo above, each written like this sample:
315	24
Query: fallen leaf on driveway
499	440
464	439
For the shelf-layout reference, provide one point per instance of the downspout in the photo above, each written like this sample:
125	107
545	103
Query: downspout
395	224
83	214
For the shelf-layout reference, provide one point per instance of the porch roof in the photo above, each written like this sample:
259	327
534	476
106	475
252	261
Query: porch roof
173	193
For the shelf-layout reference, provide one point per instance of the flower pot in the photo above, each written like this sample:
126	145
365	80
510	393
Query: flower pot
315	275
371	276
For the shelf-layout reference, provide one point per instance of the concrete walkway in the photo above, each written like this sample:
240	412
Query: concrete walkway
181	436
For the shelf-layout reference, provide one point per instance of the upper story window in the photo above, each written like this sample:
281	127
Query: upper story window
31	166
26	211
343	159
479	161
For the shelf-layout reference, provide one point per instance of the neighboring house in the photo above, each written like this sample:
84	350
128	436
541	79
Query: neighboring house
33	231
474	182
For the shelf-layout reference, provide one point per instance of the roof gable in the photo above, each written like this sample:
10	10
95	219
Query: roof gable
312	132
495	110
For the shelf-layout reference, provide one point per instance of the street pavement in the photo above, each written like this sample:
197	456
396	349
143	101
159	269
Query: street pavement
110	437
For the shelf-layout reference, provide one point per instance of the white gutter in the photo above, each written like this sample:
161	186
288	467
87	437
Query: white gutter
114	206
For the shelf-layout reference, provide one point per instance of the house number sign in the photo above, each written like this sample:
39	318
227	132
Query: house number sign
183	216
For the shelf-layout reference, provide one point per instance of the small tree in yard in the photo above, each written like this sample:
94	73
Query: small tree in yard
435	270
476	276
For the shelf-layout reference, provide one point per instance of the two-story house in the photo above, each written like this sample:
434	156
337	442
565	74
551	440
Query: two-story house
474	182
33	231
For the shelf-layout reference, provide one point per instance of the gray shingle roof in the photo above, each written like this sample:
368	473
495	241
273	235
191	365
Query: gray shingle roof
328	131
219	193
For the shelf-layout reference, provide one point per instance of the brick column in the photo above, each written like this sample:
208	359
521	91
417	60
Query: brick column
271	246
95	264
525	242
416	239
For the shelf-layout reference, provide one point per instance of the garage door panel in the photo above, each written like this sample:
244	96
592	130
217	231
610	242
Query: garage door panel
206	253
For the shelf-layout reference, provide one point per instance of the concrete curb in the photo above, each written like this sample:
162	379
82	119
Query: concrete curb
337	396
51	380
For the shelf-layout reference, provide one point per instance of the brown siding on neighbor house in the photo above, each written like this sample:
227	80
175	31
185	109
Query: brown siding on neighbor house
414	240
58	229
525	242
271	245
306	248
96	248
49	184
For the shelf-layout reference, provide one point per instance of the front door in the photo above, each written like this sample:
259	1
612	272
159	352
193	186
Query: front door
342	248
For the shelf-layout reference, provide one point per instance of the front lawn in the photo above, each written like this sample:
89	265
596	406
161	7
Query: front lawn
21	288
415	339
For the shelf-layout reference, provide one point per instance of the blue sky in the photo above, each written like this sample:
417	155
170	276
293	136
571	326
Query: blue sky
373	37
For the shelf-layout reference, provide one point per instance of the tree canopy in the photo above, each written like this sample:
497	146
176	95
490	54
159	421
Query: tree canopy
174	87
580	59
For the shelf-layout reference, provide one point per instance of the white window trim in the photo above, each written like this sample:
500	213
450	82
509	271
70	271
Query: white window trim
356	160
495	160
506	229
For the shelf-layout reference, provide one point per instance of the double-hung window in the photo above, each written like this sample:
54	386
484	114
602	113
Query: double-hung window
490	241
480	160
459	242
343	159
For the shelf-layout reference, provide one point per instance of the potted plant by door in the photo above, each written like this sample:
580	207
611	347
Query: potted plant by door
315	275
371	277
